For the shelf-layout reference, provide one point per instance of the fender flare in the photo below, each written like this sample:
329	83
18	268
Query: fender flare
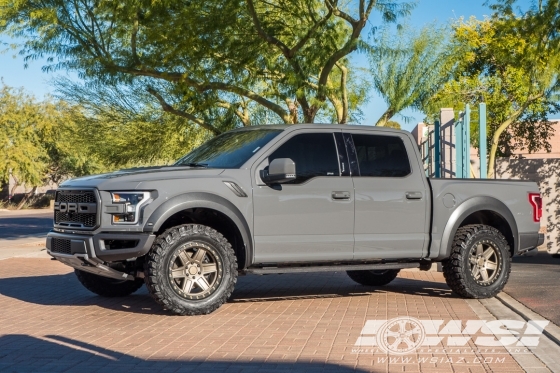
469	207
202	200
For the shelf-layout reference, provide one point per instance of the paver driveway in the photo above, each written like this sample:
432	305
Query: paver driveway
304	322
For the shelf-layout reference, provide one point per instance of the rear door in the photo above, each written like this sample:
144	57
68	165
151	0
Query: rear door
311	218
391	208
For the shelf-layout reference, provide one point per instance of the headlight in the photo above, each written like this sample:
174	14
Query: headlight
129	204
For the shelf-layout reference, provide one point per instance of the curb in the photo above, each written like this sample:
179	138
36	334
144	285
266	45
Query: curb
552	331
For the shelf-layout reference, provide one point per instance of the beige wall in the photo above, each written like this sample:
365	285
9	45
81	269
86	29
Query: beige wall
546	173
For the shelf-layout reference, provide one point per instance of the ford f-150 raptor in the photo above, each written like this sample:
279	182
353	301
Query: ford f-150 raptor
289	199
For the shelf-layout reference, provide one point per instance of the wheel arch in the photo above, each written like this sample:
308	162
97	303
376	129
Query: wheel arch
480	210
180	209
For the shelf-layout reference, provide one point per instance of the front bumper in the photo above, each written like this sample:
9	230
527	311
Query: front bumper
90	252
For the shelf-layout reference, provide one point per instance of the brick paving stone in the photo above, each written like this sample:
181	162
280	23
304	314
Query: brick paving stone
303	322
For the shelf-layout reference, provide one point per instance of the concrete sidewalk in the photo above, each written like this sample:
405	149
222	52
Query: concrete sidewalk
302	322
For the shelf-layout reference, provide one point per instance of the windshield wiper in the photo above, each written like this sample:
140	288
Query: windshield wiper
201	165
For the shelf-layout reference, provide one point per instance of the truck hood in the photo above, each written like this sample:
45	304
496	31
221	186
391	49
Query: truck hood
134	177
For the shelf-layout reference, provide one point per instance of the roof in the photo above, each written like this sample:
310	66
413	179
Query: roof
284	127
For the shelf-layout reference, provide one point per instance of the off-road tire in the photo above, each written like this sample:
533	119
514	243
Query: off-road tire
374	278
457	268
162	255
108	287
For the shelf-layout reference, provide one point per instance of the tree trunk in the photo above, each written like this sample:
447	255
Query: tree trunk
382	121
26	198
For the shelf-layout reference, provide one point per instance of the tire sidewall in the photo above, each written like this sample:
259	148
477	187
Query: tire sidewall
221	286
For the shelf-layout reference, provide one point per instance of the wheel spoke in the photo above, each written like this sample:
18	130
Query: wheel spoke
479	249
472	259
484	274
178	273
476	272
209	268
408	342
183	258
202	283
491	265
402	326
199	255
488	253
391	333
187	285
395	344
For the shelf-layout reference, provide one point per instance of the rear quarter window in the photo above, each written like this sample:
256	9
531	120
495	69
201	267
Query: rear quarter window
381	156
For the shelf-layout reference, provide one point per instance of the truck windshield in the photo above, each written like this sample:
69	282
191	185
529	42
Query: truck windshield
229	150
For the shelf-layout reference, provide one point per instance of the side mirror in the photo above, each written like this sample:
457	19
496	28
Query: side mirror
280	170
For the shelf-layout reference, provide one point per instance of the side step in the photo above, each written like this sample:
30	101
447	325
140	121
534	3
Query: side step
332	268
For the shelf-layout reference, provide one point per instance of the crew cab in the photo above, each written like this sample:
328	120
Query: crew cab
289	199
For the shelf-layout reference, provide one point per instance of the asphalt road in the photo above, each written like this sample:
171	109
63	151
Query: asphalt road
16	225
535	282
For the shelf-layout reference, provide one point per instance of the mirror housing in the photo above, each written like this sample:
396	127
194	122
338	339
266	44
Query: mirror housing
280	170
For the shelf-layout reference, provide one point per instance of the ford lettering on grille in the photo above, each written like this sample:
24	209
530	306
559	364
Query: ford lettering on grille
75	209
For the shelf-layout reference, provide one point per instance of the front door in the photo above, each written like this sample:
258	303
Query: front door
392	207
312	217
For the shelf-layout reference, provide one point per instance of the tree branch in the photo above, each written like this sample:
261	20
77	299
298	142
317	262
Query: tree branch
170	109
268	38
209	86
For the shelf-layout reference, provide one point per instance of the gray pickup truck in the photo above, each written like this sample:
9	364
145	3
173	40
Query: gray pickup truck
289	199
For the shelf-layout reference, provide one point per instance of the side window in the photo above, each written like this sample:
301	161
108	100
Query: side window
313	153
381	156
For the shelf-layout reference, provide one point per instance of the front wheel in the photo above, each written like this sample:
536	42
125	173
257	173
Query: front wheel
374	278
191	269
480	262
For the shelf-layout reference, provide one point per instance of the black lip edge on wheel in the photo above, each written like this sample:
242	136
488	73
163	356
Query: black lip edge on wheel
215	284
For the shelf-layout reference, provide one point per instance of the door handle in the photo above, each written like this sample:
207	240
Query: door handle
340	195
413	195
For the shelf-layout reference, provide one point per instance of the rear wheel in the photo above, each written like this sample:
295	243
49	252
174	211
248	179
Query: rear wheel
108	287
480	262
374	278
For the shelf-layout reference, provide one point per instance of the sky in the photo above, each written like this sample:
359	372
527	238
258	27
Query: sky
34	81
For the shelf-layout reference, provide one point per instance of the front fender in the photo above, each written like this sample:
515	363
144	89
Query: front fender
469	207
202	200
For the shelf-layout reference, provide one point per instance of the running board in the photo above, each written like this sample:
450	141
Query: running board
332	268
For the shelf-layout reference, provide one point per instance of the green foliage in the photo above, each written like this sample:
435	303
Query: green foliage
408	68
392	124
39	140
213	63
512	73
21	122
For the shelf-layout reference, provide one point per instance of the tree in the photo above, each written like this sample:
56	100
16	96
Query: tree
509	69
202	60
392	124
408	68
40	141
22	157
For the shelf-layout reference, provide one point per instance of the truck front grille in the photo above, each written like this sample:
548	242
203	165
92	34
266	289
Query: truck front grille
75	209
59	245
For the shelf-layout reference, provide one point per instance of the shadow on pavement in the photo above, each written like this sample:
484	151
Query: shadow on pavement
65	290
13	228
542	257
23	353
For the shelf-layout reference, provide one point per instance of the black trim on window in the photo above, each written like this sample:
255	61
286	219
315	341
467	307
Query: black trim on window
351	152
342	155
